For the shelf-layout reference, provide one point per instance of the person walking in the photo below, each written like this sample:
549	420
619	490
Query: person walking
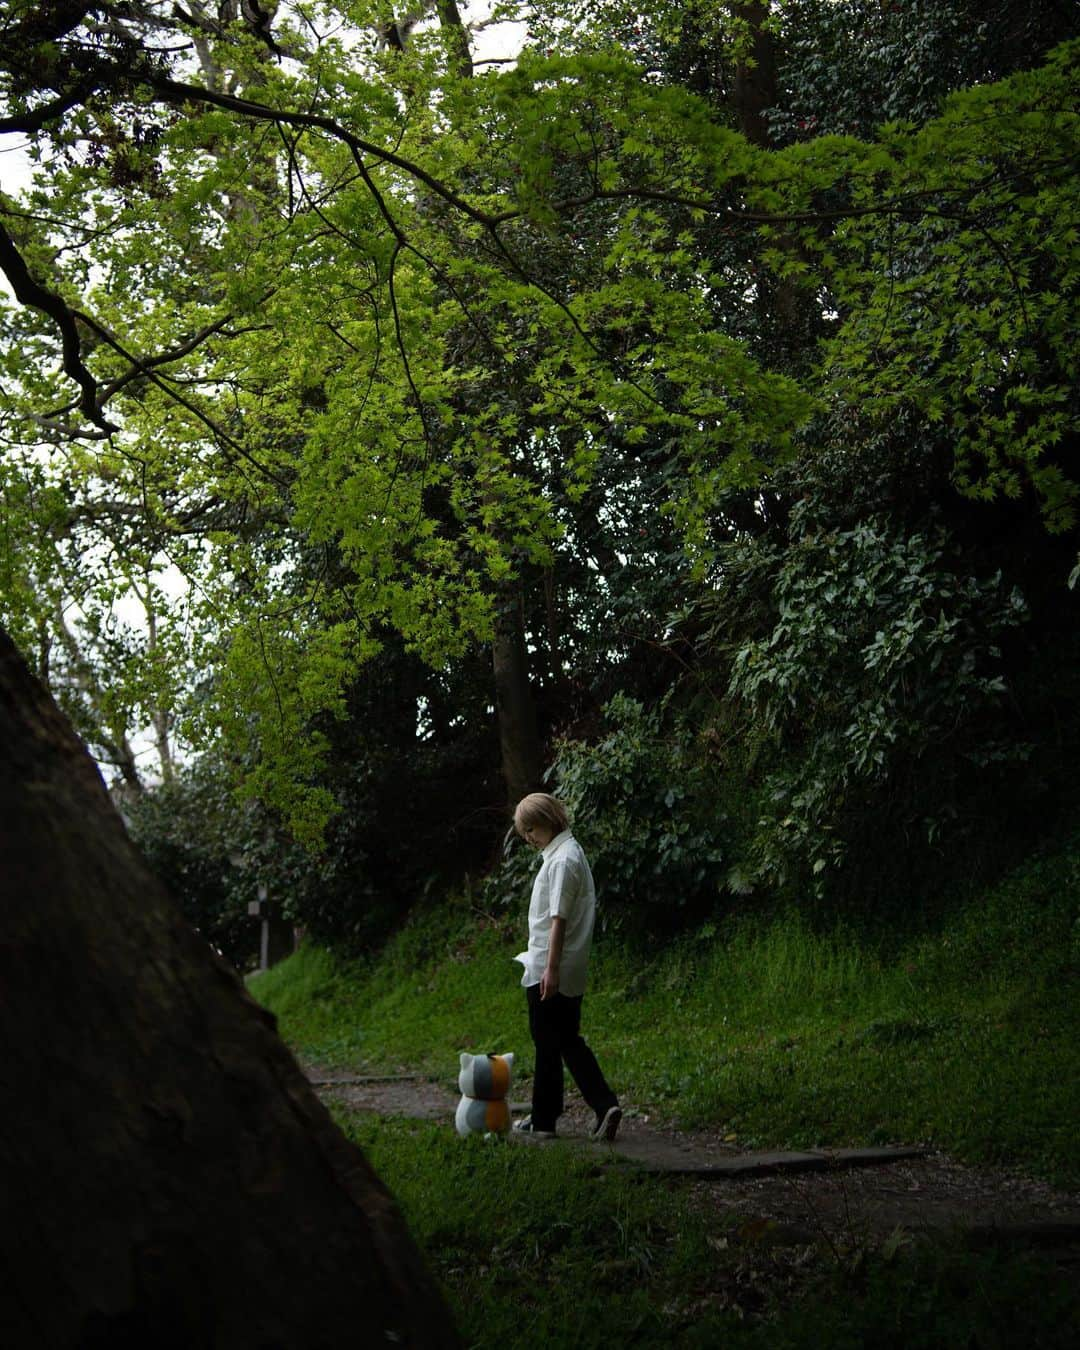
562	913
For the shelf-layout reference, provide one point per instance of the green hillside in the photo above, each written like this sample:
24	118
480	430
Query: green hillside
961	1034
964	1034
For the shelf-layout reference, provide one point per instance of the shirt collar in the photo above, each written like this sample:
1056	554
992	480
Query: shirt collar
549	849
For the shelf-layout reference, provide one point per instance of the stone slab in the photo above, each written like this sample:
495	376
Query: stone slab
365	1079
871	1157
667	1155
675	1161
744	1165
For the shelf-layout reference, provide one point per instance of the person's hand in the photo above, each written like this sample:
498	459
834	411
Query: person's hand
549	983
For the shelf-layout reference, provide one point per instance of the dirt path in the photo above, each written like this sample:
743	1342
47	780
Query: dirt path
838	1202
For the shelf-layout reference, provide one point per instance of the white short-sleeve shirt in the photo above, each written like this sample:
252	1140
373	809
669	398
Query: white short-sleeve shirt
564	888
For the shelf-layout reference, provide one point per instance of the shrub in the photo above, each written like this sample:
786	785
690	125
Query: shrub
188	829
880	685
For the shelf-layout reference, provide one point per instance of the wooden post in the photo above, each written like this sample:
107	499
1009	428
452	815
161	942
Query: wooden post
258	910
276	940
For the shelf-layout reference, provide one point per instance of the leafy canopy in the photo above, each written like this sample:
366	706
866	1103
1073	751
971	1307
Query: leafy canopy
328	322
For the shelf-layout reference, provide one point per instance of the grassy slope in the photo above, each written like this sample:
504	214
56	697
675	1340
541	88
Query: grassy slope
966	1036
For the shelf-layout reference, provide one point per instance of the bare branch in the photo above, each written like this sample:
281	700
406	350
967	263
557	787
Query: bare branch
35	118
31	293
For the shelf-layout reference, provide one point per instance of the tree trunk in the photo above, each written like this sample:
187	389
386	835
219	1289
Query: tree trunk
781	305
518	739
755	75
169	1178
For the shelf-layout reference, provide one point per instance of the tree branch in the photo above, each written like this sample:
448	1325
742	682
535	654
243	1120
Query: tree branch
450	21
36	118
31	293
144	365
147	368
179	90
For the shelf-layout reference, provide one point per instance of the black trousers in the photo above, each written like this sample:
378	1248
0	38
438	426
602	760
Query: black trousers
555	1026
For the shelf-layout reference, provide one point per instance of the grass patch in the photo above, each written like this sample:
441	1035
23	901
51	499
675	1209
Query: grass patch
546	1245
963	1032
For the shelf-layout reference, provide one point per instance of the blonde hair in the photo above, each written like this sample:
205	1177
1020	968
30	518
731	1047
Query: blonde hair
541	808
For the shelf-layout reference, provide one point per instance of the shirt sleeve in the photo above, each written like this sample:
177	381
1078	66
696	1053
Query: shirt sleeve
564	889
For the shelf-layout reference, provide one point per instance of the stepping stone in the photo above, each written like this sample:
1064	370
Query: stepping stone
653	1156
365	1079
744	1165
670	1157
871	1157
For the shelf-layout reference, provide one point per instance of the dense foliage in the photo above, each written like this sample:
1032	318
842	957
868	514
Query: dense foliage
882	671
716	366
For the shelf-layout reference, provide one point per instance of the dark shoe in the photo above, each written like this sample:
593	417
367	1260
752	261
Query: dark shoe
526	1126
607	1125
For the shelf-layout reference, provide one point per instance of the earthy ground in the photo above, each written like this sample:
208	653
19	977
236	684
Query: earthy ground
842	1205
